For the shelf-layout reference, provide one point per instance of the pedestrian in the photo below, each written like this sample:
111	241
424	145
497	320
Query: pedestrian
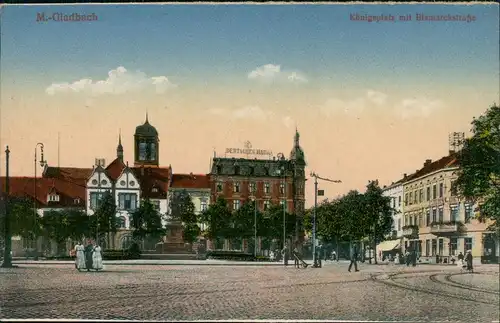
407	258
334	255
296	263
354	258
468	261
88	255
80	257
97	258
460	258
286	255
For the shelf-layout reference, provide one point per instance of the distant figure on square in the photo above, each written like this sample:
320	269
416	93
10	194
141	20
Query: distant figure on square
460	258
286	254
468	261
354	258
296	263
79	256
97	258
89	250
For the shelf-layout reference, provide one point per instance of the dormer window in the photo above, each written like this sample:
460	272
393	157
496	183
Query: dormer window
236	170
219	169
76	201
53	198
154	190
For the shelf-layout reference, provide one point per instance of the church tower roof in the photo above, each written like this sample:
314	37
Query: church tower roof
146	129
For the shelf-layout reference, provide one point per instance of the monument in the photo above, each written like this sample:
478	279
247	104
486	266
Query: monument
173	242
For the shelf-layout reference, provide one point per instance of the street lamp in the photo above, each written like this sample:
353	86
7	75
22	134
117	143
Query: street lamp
7	259
255	227
42	163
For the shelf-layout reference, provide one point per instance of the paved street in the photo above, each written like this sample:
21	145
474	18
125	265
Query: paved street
191	292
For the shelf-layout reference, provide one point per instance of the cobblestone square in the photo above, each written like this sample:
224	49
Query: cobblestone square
189	292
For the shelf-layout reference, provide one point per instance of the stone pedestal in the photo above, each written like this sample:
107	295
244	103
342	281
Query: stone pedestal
174	241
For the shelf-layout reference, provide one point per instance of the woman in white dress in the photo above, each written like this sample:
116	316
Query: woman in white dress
97	258
80	257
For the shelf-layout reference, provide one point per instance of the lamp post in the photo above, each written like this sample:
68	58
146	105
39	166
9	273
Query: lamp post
42	163
7	259
255	227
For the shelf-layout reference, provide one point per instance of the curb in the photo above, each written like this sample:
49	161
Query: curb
157	264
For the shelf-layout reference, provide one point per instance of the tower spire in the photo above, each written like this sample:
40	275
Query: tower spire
147	121
119	149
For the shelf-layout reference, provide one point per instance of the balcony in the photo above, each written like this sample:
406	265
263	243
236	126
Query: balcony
445	228
410	231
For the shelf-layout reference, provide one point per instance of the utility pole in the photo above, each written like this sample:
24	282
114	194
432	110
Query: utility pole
316	177
7	259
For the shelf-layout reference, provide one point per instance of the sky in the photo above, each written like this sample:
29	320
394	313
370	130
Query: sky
371	100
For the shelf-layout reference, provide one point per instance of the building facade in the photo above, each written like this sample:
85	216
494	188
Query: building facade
395	193
437	224
266	181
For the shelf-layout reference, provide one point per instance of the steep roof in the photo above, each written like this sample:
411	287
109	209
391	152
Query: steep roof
190	181
115	169
150	177
444	162
25	187
71	174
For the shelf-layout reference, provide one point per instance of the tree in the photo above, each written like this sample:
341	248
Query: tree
105	215
275	217
147	222
183	210
79	224
24	221
378	214
56	226
479	160
218	219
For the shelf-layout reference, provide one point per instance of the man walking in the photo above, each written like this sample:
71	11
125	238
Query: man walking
354	258
286	254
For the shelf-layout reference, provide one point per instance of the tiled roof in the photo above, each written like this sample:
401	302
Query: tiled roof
71	174
153	176
444	162
190	181
115	169
25	187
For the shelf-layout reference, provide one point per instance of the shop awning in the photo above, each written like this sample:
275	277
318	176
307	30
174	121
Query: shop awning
388	245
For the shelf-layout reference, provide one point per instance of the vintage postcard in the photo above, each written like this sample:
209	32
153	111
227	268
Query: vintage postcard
259	162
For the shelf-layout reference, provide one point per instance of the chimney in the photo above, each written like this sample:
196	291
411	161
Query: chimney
427	162
404	175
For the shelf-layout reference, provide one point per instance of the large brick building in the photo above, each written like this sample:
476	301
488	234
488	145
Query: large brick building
268	181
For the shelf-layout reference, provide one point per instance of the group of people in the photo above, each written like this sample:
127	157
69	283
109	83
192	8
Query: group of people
88	257
465	262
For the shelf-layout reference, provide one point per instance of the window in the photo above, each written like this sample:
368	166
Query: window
203	205
53	198
219	169
427	247
152	151
154	190
267	188
407	220
393	202
399	224
236	205
468	213
454	213
420	220
251	170
428	217
266	171
219	187
300	189
428	196
421	196
95	199
453	246
121	222
441	215
252	187
441	189
142	151
76	201
434	191
236	187
282	188
127	201
406	199
434	247
283	204
411	198
399	200
434	215
441	247
415	198
467	244
267	205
